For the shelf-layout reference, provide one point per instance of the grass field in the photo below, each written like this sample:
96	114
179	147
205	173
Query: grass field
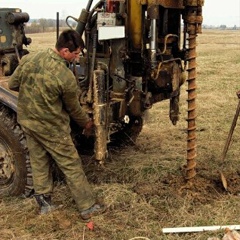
144	185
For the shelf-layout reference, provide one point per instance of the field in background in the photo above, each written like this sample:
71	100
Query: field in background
144	185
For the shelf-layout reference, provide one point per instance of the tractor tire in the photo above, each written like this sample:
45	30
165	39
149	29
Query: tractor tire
15	169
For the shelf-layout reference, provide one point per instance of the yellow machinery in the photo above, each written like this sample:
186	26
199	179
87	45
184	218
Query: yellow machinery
138	52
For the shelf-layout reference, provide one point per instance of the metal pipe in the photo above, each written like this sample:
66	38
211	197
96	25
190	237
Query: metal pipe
199	229
153	12
134	23
16	18
57	25
87	35
82	20
90	74
153	44
85	15
100	116
89	4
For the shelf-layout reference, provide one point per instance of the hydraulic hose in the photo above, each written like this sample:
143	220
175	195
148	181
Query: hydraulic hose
82	20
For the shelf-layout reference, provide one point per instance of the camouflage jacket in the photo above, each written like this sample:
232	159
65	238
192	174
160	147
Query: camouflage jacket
47	94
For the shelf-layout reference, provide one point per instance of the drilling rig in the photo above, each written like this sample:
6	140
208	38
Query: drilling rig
138	53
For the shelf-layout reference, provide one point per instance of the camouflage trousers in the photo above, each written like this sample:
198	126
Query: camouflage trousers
42	149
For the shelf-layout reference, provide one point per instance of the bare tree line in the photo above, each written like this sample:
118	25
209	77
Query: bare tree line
45	25
49	25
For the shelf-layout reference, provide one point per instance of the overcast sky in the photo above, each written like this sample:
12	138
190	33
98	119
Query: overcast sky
215	12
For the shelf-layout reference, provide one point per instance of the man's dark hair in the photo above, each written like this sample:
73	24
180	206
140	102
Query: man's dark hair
69	39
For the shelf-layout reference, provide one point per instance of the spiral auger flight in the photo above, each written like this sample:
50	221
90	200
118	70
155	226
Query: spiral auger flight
192	21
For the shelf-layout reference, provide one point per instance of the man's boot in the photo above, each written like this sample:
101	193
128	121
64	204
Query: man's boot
94	210
44	201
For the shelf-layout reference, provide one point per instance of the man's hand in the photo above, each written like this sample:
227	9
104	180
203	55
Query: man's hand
88	128
238	93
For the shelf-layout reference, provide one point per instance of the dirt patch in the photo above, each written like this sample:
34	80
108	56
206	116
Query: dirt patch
201	189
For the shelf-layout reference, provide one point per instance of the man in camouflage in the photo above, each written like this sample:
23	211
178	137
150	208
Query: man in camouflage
46	102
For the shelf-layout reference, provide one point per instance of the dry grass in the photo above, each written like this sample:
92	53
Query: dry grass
143	185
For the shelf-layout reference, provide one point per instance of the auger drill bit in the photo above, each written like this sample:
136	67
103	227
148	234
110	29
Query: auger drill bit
193	20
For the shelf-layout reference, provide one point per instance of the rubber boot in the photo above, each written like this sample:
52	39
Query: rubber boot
44	201
96	209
